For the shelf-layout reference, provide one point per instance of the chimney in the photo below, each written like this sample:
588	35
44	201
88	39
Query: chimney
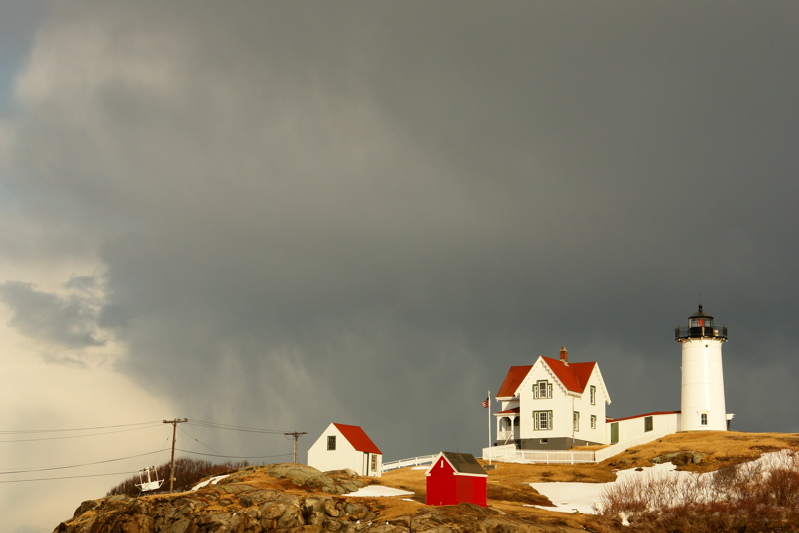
564	356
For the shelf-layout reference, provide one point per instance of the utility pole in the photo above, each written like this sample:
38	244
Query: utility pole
296	436
174	423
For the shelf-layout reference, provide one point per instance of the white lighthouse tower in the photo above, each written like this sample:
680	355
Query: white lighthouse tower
702	375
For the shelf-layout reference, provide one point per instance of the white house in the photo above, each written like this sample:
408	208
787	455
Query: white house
552	404
555	404
341	446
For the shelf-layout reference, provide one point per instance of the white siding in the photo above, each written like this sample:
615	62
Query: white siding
633	429
344	456
586	410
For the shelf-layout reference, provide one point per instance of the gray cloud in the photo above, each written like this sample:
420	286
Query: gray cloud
69	321
367	213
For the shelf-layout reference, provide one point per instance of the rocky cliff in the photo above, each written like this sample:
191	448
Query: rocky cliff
287	498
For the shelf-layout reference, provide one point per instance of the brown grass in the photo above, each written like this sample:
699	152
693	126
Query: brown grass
508	483
723	448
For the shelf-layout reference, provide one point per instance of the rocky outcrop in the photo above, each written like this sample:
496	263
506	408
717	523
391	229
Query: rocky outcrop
299	499
679	458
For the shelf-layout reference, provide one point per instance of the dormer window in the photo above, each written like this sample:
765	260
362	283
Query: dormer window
542	389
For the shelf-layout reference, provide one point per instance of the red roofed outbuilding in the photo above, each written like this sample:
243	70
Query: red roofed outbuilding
552	404
456	478
343	446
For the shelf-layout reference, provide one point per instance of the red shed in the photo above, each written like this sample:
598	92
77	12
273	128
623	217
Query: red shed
456	478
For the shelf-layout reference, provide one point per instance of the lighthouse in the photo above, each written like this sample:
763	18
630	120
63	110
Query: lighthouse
702	405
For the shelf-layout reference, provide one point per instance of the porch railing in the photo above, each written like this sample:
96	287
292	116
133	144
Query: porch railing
413	461
509	454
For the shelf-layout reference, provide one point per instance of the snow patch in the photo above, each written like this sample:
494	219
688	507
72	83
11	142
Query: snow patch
586	497
213	481
373	491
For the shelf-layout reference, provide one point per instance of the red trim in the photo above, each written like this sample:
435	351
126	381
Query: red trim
640	416
514	411
358	438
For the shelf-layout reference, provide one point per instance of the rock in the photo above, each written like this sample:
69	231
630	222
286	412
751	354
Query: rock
247	509
698	456
679	458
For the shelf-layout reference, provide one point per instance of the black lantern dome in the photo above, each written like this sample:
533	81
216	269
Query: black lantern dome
700	325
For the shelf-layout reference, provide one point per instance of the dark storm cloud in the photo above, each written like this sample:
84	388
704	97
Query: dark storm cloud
366	212
69	321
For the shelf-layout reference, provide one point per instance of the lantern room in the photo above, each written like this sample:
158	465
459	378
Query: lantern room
700	325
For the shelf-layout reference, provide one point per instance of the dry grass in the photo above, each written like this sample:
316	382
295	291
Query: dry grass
508	483
723	448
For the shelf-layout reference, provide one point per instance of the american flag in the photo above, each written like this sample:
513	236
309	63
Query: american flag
485	403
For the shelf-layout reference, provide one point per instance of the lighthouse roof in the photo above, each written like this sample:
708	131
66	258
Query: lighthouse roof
700	313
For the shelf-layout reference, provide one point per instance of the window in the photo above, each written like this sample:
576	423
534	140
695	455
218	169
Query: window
593	395
331	442
593	421
542	420
542	389
648	423
374	462
576	421
543	441
703	419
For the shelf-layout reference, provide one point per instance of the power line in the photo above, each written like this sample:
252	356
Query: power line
214	425
235	456
66	477
24	431
80	436
197	440
77	466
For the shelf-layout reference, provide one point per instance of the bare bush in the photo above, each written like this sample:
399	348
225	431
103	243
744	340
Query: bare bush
187	473
750	497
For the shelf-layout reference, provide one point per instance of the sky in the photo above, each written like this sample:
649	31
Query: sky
278	215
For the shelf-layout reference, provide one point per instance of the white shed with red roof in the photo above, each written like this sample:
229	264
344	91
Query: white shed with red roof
552	404
343	446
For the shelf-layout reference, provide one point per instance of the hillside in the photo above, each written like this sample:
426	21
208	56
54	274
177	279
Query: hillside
297	498
508	488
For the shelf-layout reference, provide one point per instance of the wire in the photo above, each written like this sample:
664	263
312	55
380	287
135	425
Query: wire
215	425
235	456
23	431
197	440
79	436
77	466
65	477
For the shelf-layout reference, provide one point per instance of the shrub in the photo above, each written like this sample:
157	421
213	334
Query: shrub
750	497
187	473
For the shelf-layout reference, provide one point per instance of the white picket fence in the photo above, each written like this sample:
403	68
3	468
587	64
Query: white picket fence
509	454
413	461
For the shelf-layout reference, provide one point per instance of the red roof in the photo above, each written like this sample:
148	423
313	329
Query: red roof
574	376
358	438
515	410
513	379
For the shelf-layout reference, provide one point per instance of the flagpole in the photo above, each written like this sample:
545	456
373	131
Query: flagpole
489	426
